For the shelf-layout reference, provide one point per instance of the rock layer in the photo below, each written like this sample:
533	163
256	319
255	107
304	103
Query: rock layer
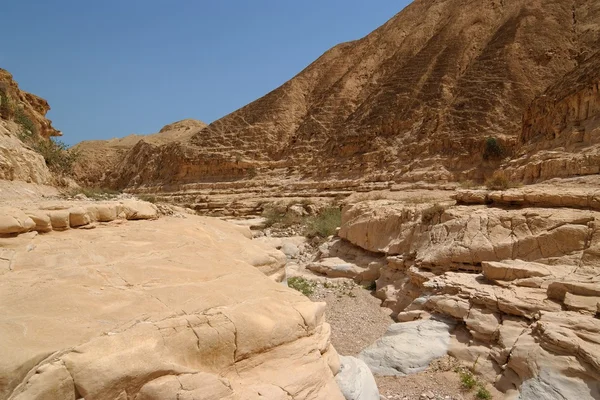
521	283
166	309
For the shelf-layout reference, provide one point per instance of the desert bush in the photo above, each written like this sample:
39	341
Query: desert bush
6	106
467	380
302	285
27	126
150	198
493	150
59	158
324	223
500	182
429	214
483	393
468	184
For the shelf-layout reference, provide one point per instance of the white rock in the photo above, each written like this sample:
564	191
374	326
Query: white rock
408	347
356	380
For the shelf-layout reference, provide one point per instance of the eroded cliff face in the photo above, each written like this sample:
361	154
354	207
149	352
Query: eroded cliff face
414	100
22	113
34	107
561	129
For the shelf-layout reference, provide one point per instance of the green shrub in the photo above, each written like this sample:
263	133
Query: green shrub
500	182
493	149
324	223
429	214
59	158
467	380
6	106
27	125
302	285
483	393
96	193
150	198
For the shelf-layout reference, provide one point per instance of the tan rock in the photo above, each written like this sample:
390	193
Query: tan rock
14	221
78	216
41	219
60	219
178	317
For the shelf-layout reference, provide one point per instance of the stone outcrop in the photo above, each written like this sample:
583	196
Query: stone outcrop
414	100
32	106
172	308
22	113
561	129
61	216
518	278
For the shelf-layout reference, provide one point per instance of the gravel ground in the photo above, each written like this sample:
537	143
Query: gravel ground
355	316
357	320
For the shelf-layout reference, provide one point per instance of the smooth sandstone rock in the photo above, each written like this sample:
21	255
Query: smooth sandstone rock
154	310
41	219
14	221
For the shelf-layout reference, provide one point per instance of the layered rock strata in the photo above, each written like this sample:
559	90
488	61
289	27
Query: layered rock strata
521	285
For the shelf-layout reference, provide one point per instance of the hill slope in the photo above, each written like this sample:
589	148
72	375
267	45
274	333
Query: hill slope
415	99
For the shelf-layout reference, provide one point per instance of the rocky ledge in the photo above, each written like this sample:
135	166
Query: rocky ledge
512	290
173	308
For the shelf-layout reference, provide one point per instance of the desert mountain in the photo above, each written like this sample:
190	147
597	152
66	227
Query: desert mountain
98	156
415	99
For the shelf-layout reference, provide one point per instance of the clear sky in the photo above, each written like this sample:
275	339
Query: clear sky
110	68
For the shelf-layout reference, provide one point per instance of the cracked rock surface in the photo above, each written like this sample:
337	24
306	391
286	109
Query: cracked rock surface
171	308
522	284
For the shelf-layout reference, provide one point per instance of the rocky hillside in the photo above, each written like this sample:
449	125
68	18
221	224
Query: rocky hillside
22	115
99	156
561	129
416	99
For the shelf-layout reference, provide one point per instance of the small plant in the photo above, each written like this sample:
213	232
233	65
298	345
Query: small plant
59	158
493	149
429	214
467	380
325	223
371	286
150	198
500	182
95	193
468	184
6	106
27	125
302	285
483	393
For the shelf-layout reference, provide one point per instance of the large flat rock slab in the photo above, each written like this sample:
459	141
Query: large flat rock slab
156	310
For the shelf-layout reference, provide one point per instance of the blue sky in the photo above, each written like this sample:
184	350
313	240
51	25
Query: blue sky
111	68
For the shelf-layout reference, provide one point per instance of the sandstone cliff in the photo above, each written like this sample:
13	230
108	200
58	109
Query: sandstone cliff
561	129
413	100
22	113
